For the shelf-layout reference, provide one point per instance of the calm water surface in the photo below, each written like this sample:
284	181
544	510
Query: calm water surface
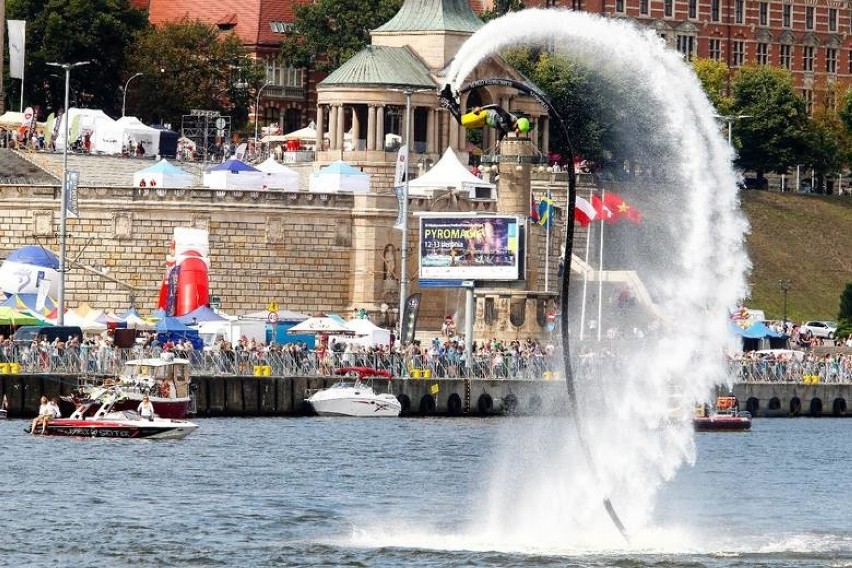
349	492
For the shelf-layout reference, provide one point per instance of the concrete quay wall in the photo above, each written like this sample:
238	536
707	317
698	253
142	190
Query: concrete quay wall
794	399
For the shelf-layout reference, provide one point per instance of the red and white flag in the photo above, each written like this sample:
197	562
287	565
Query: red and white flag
584	212
604	212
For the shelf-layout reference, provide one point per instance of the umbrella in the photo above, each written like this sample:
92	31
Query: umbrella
321	324
11	316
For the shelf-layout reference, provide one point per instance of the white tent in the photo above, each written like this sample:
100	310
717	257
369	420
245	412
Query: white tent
130	131
367	333
339	176
306	134
449	173
234	174
90	121
162	174
278	176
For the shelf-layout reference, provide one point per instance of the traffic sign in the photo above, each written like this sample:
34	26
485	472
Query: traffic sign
272	317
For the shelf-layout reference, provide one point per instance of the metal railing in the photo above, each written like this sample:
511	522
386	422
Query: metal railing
286	361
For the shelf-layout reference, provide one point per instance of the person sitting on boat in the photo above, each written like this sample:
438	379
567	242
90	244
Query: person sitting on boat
146	408
44	414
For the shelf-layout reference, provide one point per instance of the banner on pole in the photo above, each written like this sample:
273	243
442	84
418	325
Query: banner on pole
17	47
401	174
408	324
400	196
71	208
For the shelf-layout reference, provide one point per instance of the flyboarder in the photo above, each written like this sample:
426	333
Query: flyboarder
490	115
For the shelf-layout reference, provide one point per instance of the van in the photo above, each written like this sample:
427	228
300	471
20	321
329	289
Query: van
27	333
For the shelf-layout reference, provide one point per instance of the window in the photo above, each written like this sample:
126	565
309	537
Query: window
715	48
619	6
762	54
284	76
668	8
738	54
739	11
831	100
784	56
808	58
808	95
809	17
850	62
693	9
786	15
832	19
831	60
686	45
714	11
643	7
764	13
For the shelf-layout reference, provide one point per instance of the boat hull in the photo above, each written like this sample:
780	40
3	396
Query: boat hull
371	406
721	423
155	430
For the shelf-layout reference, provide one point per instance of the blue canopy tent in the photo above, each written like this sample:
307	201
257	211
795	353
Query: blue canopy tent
200	314
757	332
171	329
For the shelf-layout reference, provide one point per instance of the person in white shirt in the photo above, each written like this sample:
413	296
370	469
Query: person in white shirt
146	408
43	412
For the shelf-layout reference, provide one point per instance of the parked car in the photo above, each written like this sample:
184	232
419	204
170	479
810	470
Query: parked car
825	329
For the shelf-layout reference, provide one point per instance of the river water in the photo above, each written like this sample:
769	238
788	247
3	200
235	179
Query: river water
401	492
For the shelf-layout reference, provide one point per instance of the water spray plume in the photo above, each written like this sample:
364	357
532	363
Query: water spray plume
687	257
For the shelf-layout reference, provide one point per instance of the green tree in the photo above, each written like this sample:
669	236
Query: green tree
714	76
823	139
329	32
190	65
605	119
844	317
67	31
773	138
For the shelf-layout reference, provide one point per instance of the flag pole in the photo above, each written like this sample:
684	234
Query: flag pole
585	278
600	271
547	244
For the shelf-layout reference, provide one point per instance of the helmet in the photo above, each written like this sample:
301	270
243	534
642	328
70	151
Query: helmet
523	124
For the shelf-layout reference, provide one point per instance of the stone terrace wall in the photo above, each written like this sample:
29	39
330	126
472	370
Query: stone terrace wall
295	248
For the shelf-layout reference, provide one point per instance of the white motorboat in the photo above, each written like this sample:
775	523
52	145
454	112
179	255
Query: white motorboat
355	397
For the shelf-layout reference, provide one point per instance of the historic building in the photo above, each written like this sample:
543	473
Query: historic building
810	38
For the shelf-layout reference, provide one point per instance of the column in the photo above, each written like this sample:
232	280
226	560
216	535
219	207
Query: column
320	127
341	126
332	127
545	136
371	127
380	128
431	130
356	129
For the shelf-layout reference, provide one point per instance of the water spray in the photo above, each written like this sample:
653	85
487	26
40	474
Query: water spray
448	100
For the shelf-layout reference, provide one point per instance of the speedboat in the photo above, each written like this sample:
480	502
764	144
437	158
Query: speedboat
353	396
107	422
725	416
164	379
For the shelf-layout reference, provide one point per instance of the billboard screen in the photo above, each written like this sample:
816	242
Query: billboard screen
470	247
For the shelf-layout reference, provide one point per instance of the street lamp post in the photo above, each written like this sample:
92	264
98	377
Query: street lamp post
63	196
730	120
785	286
403	269
124	98
257	112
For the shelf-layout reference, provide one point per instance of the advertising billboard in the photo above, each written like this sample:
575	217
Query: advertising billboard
470	247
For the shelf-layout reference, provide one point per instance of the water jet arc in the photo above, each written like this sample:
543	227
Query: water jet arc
573	406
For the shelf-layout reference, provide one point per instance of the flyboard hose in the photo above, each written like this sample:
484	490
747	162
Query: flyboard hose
573	406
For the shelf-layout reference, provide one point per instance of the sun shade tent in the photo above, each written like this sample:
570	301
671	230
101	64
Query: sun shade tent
103	134
321	325
278	176
339	176
131	131
449	173
162	174
233	174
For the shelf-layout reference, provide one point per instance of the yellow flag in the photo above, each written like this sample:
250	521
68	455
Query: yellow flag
434	389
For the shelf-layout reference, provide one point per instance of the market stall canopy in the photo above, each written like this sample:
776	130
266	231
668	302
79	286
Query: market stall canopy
449	173
367	333
162	174
104	137
11	316
322	325
200	314
282	316
279	176
339	176
131	131
233	174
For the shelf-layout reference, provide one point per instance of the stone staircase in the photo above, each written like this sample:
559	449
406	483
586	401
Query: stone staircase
16	170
